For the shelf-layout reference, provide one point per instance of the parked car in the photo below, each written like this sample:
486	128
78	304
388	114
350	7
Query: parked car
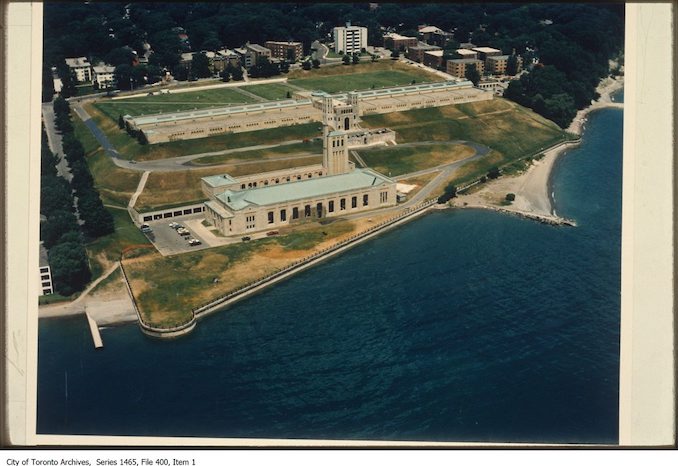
183	231
174	225
246	238
194	242
272	233
145	228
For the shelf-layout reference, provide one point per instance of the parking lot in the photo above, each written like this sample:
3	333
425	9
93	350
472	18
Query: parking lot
168	241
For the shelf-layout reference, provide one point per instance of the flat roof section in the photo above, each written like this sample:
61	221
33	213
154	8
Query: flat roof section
359	178
486	50
219	180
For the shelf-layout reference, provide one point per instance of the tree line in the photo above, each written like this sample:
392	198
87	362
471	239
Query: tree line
61	232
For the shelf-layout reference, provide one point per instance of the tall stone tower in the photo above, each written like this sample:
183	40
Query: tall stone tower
337	119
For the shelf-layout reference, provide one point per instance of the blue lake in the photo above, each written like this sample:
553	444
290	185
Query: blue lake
462	325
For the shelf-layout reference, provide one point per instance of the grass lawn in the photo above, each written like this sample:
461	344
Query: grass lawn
55	298
342	78
110	283
512	131
129	148
164	103
167	288
104	251
397	160
273	91
314	147
116	185
84	135
169	189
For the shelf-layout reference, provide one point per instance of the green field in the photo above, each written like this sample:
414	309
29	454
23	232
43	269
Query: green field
275	91
360	81
165	103
510	130
310	147
130	149
397	160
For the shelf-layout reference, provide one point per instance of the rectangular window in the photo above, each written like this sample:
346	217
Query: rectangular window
167	214
295	213
342	204
178	212
147	218
354	202
270	217
383	197
319	209
330	206
187	211
365	199
197	209
307	211
283	215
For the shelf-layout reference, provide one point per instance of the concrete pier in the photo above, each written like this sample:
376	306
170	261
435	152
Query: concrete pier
94	328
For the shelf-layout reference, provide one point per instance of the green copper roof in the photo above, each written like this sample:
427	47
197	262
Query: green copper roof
219	180
307	189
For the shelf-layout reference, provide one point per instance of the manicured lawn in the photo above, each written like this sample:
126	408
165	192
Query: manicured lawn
129	148
104	251
510	130
359	81
165	189
313	147
165	103
116	185
395	161
273	91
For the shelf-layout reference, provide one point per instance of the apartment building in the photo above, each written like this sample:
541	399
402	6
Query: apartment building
497	64
433	58
350	39
103	75
81	67
416	53
291	51
458	67
394	41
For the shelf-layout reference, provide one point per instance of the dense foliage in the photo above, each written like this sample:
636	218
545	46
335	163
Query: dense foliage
571	43
59	230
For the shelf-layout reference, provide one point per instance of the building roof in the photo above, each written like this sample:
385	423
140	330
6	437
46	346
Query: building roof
360	178
257	48
467	45
498	57
77	61
466	60
436	53
283	42
219	180
486	50
466	52
429	29
424	46
396	36
103	68
218	208
187	57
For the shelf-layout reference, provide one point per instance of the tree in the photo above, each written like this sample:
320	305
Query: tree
69	266
316	63
121	122
395	55
288	95
47	83
141	137
356	59
449	192
346	59
225	76
472	74
306	65
58	223
512	65
237	74
493	173
200	65
510	197
374	58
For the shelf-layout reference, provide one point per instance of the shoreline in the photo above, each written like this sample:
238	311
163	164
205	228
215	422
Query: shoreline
533	188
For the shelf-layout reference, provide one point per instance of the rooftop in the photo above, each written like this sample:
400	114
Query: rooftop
219	180
396	36
282	42
465	60
257	48
498	57
103	68
486	50
77	61
299	190
466	52
424	46
437	53
429	29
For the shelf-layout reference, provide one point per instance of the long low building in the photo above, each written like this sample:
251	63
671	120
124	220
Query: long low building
234	119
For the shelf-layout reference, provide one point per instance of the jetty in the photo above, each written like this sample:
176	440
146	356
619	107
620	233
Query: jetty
94	329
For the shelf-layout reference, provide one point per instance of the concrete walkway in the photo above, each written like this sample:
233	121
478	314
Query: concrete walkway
140	188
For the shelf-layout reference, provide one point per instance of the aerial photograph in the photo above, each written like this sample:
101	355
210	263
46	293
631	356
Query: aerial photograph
331	221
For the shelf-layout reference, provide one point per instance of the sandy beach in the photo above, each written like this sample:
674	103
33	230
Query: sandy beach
531	188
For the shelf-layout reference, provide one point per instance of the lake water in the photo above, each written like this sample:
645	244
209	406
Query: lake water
462	325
